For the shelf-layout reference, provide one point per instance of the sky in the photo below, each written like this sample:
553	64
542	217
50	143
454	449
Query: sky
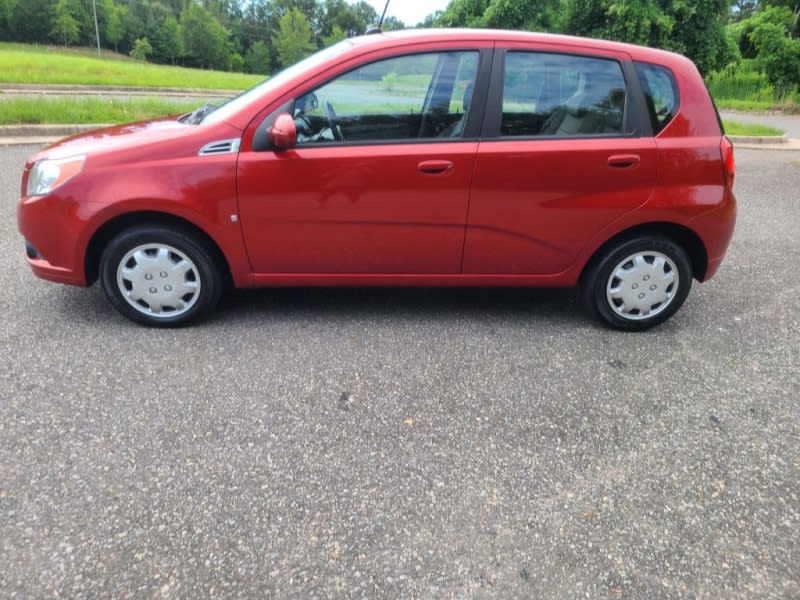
409	12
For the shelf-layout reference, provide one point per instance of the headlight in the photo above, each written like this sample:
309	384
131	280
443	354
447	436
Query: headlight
46	175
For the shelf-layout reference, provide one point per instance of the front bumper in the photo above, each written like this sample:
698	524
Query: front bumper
44	270
52	228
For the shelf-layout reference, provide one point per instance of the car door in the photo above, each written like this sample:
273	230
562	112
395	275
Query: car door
564	155
378	182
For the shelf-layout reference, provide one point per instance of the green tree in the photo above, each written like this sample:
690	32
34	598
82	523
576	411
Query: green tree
777	54
691	27
793	6
533	15
699	32
141	48
644	23
293	39
236	63
539	15
743	9
205	41
138	22
83	12
742	30
392	23
167	40
6	10
336	35
65	27
463	13
364	13
339	15
114	30
257	59
31	21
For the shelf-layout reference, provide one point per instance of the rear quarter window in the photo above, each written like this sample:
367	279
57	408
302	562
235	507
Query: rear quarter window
661	93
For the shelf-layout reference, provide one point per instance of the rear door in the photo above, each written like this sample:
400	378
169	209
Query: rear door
564	155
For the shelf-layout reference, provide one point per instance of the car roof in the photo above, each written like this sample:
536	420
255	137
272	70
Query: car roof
400	37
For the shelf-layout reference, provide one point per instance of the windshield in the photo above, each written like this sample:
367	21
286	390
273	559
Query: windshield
229	107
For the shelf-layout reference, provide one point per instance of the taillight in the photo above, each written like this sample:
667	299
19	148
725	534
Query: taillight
726	148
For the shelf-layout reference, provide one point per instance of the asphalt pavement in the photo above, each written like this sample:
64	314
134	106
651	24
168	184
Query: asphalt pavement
789	124
316	443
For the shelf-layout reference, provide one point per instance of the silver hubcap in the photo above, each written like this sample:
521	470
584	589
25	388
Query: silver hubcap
642	285
158	280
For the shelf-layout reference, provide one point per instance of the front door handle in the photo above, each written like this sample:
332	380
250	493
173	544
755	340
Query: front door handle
432	167
623	161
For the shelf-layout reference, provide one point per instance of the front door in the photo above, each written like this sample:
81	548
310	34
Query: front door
379	179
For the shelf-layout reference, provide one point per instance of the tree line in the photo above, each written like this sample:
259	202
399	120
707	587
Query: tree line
255	36
762	35
261	36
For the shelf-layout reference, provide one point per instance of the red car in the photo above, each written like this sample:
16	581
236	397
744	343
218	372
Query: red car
415	158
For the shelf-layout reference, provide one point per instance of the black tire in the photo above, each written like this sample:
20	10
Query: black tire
637	283
161	276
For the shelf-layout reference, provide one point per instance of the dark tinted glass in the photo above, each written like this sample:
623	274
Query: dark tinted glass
661	93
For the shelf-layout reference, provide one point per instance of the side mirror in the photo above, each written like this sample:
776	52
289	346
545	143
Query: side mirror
283	133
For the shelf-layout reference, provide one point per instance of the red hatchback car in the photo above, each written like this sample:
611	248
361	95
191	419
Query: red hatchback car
433	158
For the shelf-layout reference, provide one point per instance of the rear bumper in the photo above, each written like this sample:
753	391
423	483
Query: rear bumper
715	228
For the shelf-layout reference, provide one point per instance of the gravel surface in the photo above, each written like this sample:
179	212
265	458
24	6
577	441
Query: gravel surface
408	443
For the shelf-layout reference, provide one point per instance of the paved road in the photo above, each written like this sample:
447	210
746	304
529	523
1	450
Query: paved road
319	443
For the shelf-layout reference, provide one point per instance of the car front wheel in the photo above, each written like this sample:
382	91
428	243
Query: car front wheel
638	283
160	276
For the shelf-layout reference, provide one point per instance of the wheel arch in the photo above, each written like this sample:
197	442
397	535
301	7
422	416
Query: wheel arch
106	232
680	234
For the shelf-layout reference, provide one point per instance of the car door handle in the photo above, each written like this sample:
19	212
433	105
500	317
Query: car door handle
432	167
623	161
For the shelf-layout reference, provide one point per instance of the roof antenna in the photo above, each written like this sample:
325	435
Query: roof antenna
383	14
380	23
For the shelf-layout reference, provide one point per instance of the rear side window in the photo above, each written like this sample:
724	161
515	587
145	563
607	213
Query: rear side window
561	95
661	93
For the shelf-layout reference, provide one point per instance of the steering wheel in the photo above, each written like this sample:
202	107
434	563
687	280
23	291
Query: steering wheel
336	131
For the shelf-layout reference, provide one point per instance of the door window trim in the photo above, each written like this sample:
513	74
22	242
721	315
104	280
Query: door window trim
475	116
493	114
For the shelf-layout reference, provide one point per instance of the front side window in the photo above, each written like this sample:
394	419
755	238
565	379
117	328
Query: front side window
561	95
411	97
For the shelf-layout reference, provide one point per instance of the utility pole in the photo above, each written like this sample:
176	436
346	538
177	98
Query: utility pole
96	28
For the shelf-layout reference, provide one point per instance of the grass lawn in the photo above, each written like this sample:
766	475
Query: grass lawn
736	128
788	106
82	110
22	63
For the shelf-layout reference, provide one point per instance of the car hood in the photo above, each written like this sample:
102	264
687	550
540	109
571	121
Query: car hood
134	138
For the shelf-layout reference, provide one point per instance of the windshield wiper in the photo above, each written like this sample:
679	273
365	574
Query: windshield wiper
197	115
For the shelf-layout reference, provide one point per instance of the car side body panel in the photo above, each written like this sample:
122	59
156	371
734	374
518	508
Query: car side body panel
503	211
535	203
198	190
356	209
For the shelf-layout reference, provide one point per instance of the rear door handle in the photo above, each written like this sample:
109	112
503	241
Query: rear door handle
432	167
623	161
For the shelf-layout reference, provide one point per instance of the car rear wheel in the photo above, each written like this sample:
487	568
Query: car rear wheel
637	283
160	276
